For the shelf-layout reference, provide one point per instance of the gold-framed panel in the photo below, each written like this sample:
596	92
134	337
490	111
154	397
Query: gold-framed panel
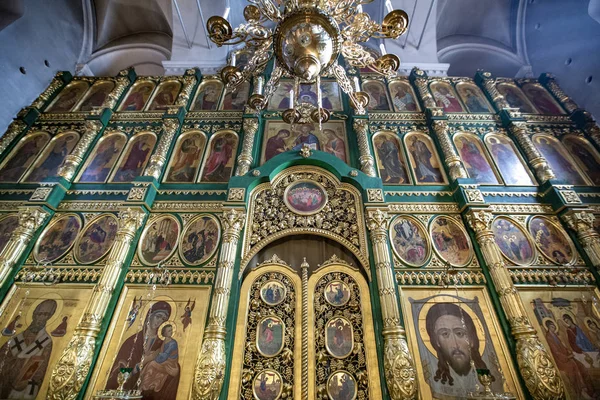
403	103
209	152
8	223
588	159
76	246
420	230
78	87
462	89
535	93
552	148
127	151
448	237
379	98
235	104
193	162
57	218
525	234
154	221
516	98
381	168
486	346
556	247
23	165
70	141
286	200
174	92
499	153
219	88
449	101
141	94
183	241
106	86
476	141
173	298
112	161
433	159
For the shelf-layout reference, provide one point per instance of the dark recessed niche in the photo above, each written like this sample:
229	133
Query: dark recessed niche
538	26
568	61
47	63
23	70
589	79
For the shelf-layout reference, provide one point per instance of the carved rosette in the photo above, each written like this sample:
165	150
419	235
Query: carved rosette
489	85
189	81
453	161
73	366
539	372
210	366
56	84
367	162
535	158
14	130
582	223
69	167
159	157
30	220
557	91
400	373
250	126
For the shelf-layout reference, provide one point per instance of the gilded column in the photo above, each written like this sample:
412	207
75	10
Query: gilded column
537	369
535	158
550	82
582	222
56	84
113	97
591	127
489	86
367	162
30	220
73	161
73	366
14	130
159	157
451	158
189	81
210	367
400	373
423	89
250	126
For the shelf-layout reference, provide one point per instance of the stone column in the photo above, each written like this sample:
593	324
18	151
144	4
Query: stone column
400	373
210	366
30	220
56	84
367	162
535	158
73	366
582	222
69	167
14	130
451	158
537	369
159	157
250	126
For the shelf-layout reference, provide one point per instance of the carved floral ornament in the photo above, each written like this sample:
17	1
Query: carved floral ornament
340	217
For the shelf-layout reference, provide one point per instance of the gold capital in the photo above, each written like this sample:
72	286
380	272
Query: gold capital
582	223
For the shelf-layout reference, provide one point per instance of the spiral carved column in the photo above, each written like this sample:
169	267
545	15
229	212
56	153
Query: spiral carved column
30	220
56	84
537	369
451	158
69	167
535	158
113	97
550	83
489	85
189	81
14	130
423	90
250	126
400	373
582	222
159	157
73	366
367	162
210	366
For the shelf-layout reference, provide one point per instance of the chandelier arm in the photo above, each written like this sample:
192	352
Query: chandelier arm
268	9
273	82
255	66
344	82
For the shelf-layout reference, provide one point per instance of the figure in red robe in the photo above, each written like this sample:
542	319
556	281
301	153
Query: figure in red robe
215	169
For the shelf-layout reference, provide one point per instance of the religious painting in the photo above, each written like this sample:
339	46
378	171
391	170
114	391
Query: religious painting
331	98
450	241
208	95
186	158
280	100
151	329
36	328
390	159
475	159
68	97
378	96
409	240
542	100
270	336
305	197
220	157
514	243
453	333
200	240
339	339
267	385
235	100
53	156
96	95
138	96
337	293
445	97
424	160
134	159
403	97
597	224
552	240
57	238
568	324
375	54
585	156
23	156
103	158
473	98
97	239
272	292
341	385
515	98
559	160
508	160
159	240
165	96
8	224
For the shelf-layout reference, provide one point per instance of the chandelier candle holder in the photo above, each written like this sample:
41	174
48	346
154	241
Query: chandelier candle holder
306	42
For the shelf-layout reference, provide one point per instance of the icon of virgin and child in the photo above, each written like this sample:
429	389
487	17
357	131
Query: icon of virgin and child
159	371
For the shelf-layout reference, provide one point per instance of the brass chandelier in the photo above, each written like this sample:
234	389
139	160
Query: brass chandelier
306	37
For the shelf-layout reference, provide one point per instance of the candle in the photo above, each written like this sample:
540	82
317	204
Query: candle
226	13
356	84
233	59
359	8
382	48
292	98
388	5
258	89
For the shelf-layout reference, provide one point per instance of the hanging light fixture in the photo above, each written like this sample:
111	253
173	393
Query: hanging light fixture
306	41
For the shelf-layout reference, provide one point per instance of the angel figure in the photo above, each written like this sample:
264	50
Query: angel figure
186	318
133	313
